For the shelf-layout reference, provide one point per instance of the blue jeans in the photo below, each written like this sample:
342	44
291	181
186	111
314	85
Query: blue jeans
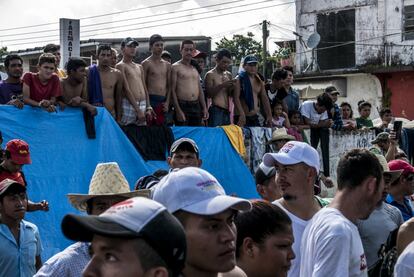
218	116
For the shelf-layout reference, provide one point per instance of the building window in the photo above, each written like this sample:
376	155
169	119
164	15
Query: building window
337	47
408	20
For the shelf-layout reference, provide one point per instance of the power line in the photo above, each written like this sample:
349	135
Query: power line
96	16
169	23
123	20
151	21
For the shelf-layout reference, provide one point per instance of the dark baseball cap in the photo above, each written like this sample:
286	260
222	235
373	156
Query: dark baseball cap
129	41
136	217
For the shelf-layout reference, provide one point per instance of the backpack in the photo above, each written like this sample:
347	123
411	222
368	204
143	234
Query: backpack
384	267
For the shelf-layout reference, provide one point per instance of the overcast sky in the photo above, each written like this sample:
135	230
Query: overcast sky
139	18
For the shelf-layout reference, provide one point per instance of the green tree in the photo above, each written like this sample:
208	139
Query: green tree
3	51
241	46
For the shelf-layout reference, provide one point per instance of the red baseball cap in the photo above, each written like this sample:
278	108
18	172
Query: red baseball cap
401	165
19	151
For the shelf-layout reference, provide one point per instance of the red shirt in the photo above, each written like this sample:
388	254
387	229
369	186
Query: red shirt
39	91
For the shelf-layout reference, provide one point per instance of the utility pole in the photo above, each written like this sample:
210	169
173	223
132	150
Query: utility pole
264	54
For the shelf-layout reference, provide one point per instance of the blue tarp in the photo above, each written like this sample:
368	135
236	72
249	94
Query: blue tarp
64	159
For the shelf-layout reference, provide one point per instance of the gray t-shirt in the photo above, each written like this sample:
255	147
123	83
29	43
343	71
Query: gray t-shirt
375	230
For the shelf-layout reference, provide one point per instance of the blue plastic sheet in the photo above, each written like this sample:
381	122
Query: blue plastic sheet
64	159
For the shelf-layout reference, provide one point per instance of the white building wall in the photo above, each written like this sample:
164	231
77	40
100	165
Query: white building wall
378	30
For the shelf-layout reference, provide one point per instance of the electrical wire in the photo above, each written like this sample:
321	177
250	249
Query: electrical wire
172	23
101	15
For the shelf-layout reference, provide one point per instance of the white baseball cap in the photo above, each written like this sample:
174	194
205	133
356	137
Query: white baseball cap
136	217
196	191
294	152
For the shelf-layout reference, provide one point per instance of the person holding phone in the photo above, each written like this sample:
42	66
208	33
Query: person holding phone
386	144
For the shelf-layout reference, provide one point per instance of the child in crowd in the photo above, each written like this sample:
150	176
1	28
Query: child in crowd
279	117
386	119
364	109
347	114
296	126
41	89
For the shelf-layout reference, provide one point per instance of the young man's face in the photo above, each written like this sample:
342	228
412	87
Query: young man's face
365	111
105	57
387	117
211	241
79	74
157	48
46	70
223	64
289	80
12	166
15	69
14	206
275	254
201	63
112	256
57	56
334	97
129	50
251	68
183	158
294	180
187	51
100	204
270	191
320	109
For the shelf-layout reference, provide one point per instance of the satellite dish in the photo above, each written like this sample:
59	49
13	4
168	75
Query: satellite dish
312	43
313	40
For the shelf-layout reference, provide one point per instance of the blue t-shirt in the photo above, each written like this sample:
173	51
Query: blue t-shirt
10	91
19	260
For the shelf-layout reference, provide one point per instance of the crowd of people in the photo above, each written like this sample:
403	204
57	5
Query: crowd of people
180	222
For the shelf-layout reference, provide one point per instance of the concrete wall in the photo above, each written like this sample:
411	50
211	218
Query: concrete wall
361	86
378	23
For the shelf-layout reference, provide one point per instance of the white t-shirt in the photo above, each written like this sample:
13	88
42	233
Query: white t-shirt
331	246
298	227
405	263
307	110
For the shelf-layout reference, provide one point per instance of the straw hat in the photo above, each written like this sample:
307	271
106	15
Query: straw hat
107	180
279	134
395	174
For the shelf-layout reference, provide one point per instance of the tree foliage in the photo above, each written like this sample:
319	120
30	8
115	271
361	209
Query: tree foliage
241	46
3	51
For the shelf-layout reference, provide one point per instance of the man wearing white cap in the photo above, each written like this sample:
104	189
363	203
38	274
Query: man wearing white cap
199	202
297	165
331	245
108	186
135	238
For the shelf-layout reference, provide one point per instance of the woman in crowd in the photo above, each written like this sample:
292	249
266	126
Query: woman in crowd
347	114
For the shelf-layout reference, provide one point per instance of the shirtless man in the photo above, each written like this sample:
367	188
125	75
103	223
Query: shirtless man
249	94
111	82
219	87
188	97
135	100
157	78
73	86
